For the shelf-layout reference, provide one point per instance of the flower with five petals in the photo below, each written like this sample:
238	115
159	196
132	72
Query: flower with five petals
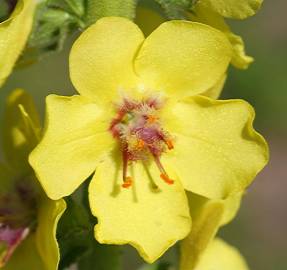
140	128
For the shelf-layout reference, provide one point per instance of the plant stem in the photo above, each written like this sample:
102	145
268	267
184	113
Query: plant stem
97	9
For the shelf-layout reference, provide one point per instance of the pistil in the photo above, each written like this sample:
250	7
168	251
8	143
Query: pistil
163	175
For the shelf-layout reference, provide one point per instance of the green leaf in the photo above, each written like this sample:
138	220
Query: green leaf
101	257
47	26
56	16
74	233
76	7
54	21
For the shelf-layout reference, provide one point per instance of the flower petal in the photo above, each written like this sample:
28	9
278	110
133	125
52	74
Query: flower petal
240	59
101	60
26	256
215	91
48	217
14	33
233	8
21	130
204	14
75	140
206	215
217	152
220	255
178	55
149	219
231	207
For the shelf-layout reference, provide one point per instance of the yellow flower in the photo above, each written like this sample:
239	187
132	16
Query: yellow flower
213	13
199	250
14	33
135	126
220	255
28	218
208	216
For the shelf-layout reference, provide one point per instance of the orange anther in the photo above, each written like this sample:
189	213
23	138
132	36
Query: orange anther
166	179
140	144
169	144
151	118
127	182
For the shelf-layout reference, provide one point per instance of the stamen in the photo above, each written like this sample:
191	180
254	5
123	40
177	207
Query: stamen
138	129
127	180
164	176
151	119
169	144
166	179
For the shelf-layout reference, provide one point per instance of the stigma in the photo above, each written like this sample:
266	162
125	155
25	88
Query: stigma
138	129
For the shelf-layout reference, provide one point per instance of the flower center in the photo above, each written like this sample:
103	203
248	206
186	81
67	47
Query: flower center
138	129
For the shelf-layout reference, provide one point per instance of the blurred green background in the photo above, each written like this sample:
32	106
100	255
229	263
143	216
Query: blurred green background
260	229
